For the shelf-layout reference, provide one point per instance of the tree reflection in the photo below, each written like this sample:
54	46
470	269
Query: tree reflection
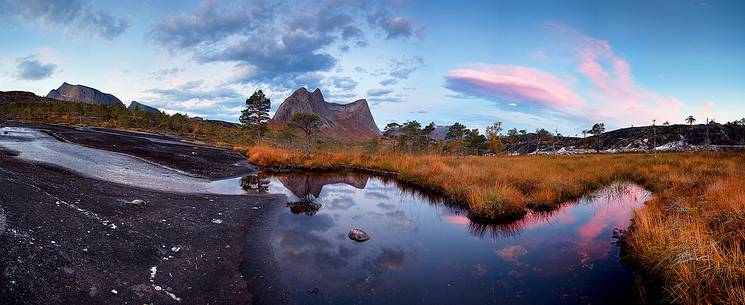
304	206
255	184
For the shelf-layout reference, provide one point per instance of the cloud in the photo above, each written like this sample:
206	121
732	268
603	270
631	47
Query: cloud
344	83
514	83
71	14
379	92
195	99
619	97
611	96
187	94
275	44
402	68
207	24
31	68
388	82
395	27
707	109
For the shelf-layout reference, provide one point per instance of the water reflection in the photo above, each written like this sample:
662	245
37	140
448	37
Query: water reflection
422	251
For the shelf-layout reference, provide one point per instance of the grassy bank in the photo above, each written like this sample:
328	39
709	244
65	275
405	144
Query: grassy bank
691	235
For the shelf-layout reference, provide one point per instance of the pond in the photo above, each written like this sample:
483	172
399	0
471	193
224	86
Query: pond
422	251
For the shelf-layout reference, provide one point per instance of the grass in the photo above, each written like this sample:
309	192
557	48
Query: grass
690	236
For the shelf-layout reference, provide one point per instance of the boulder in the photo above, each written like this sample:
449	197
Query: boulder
358	235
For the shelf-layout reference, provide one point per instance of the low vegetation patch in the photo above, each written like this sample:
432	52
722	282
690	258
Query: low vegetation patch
691	235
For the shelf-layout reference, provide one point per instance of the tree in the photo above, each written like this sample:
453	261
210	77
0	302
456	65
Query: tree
493	136
391	132
410	133
690	120
741	123
310	124
287	134
456	132
256	115
540	135
597	130
454	137
512	138
474	141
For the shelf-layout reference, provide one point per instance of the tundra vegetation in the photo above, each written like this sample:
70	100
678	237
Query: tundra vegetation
690	236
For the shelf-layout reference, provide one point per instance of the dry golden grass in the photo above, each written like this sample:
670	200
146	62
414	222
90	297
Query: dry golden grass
691	235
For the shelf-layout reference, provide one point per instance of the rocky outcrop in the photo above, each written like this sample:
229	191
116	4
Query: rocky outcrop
141	107
83	94
352	121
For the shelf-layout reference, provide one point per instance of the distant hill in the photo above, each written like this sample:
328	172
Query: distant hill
83	94
349	122
142	107
637	139
23	97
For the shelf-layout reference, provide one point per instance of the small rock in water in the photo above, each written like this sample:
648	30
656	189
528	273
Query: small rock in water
138	203
216	221
358	235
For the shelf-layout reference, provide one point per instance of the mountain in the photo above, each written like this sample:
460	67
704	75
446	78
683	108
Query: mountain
348	122
142	107
83	94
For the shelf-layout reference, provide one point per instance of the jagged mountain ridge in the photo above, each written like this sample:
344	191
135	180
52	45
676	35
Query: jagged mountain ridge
83	94
352	121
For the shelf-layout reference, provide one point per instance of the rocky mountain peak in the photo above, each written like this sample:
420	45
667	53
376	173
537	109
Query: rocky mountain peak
352	121
83	94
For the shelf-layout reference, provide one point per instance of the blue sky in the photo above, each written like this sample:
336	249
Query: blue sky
559	65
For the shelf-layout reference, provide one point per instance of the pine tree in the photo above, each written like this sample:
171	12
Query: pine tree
255	117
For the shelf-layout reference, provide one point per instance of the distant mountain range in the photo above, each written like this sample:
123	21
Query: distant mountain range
349	122
72	94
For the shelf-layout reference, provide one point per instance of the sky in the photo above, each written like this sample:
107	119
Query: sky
558	65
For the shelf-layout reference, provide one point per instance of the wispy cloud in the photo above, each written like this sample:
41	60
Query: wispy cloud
619	98
514	83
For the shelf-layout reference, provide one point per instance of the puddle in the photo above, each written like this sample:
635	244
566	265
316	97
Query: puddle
423	252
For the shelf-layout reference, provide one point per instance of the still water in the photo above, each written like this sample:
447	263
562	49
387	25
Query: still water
423	252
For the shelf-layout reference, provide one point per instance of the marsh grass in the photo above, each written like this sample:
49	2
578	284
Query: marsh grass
690	235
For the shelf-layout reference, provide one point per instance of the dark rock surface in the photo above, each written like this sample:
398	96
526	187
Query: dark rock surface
83	94
73	240
342	121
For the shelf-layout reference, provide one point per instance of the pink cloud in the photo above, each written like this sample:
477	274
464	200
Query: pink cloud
618	97
707	109
514	83
613	95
